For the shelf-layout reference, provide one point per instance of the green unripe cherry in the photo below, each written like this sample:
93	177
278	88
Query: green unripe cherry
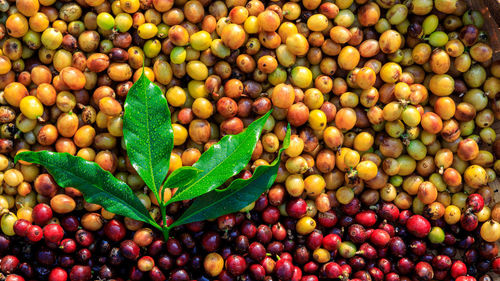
178	55
105	21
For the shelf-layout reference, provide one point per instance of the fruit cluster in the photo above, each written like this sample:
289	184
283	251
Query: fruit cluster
388	172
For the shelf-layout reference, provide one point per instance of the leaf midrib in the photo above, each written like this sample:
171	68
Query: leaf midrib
126	203
212	170
155	190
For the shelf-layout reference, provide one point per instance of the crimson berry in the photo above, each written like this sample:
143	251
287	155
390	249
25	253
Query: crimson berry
465	278
314	240
331	242
380	238
405	266
376	274
135	274
441	262
495	265
84	237
68	245
311	267
418	226
333	270
41	214
174	247
424	271
9	264
284	269
310	278
368	251
389	212
271	215
279	231
53	233
83	255
384	265
210	241
70	223
297	274
469	221
327	219
275	248
404	216
269	264
296	208
397	246
264	234
475	202
248	229
418	247
236	265
129	249
80	273
226	222
357	233
14	277
195	226
257	272
392	276
58	274
366	218
179	275
458	268
115	230
35	233
257	251
21	227
352	207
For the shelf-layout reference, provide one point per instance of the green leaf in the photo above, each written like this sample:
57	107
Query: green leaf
239	194
147	131
180	177
222	161
97	185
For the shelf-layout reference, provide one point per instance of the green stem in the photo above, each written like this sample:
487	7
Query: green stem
164	228
165	231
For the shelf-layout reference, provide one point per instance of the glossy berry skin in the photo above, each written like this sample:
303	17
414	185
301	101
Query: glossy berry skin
80	273
418	226
21	227
380	238
14	277
35	233
389	212
53	233
70	223
458	268
424	271
331	242
296	208
68	245
84	238
441	262
236	265
115	230
9	264
475	202
284	269
495	265
129	249
366	218
58	274
42	213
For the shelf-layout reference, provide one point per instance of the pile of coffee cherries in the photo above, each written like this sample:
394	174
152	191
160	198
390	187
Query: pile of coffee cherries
389	176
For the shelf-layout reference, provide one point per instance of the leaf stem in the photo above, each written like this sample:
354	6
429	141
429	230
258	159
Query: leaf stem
164	228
